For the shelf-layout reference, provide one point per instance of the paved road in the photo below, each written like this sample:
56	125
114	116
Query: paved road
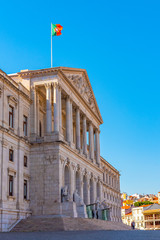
84	235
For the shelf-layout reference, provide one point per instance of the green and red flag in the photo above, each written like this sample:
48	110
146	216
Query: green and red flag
56	29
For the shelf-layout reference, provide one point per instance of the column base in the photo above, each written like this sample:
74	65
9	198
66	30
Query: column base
53	137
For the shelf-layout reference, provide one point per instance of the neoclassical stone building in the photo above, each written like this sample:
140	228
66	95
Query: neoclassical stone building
49	139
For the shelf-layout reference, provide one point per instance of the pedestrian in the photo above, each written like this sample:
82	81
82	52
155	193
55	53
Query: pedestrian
133	224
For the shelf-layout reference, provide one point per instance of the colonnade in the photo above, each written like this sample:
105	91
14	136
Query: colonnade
53	120
89	187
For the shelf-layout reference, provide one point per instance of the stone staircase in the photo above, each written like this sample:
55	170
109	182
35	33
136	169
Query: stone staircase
42	224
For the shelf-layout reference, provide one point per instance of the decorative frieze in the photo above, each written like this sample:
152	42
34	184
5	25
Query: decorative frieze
81	84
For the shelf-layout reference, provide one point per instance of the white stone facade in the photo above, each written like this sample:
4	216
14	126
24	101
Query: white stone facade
61	146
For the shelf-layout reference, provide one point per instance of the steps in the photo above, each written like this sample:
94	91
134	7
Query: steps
42	224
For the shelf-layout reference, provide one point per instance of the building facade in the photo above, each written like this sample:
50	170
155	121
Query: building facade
50	148
152	217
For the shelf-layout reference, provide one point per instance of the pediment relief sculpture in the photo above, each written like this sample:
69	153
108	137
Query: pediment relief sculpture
82	86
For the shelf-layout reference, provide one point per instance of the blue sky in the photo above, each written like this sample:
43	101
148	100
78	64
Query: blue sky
118	43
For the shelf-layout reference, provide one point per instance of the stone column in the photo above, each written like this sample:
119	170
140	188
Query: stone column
91	142
84	136
78	141
71	121
60	111
97	148
48	108
56	107
68	124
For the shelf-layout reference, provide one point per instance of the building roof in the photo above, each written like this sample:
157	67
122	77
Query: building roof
125	207
129	214
145	205
152	208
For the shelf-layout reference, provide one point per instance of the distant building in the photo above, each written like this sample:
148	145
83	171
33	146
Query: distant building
124	196
125	210
138	217
152	217
159	198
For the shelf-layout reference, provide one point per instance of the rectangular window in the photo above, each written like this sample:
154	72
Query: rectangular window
11	155
11	115
25	125
10	185
25	161
25	189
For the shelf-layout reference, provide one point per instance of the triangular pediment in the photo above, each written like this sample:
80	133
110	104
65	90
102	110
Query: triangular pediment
80	81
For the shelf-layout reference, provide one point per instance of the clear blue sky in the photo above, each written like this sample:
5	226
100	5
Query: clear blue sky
118	42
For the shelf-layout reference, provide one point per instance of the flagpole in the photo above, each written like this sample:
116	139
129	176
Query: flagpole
51	45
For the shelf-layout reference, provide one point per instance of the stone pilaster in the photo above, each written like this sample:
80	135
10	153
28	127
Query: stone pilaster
88	189
97	147
81	185
84	136
56	107
78	141
71	121
68	124
37	114
95	189
33	111
91	142
48	109
60	110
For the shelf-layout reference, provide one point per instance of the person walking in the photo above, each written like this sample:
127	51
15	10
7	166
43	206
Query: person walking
133	224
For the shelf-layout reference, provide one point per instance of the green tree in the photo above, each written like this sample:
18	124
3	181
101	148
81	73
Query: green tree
138	204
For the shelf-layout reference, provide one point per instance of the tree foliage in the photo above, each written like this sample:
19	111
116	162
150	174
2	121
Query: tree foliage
138	204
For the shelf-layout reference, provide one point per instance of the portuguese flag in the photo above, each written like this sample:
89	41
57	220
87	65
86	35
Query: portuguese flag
56	29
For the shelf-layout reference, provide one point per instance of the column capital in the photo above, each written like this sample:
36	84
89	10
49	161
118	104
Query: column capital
67	97
84	116
33	88
97	130
48	85
77	108
55	84
90	123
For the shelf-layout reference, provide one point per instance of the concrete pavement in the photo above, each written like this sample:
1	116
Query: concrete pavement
83	235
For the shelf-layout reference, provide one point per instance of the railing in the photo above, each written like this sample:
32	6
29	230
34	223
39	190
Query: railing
149	218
